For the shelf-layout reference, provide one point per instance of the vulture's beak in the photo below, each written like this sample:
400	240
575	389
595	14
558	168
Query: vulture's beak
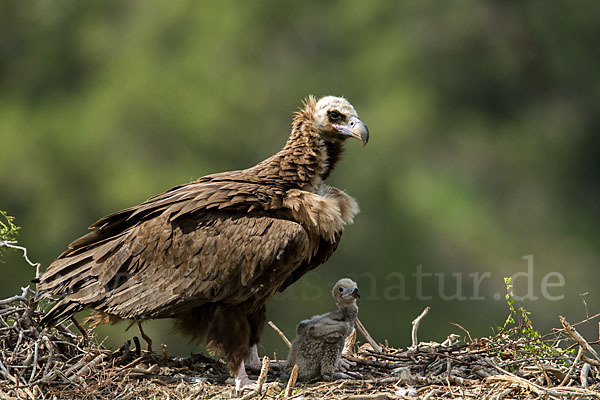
355	128
356	292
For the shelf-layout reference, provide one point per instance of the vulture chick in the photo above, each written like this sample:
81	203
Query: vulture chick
320	339
213	252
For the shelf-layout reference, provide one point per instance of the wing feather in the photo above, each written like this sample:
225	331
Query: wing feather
205	257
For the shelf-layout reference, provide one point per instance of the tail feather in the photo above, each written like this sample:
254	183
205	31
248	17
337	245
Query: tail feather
60	312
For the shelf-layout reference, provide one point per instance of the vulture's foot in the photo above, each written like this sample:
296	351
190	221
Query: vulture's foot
253	362
342	375
345	365
345	370
242	382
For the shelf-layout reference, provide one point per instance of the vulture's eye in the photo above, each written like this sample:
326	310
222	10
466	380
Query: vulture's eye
340	289
335	116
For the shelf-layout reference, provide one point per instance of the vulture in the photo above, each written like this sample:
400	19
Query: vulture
211	253
318	346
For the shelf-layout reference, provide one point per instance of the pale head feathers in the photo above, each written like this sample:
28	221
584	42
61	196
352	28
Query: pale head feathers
317	111
345	291
332	103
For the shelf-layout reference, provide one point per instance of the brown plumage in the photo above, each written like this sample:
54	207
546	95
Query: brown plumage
320	340
212	252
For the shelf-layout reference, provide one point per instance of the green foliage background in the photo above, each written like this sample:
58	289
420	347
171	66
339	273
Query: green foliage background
484	138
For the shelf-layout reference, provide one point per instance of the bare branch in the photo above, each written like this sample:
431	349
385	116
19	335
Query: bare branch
363	331
578	338
285	339
12	244
415	326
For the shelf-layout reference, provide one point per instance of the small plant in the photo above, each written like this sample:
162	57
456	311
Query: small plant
8	230
519	337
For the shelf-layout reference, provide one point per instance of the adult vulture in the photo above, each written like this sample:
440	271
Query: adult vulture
211	253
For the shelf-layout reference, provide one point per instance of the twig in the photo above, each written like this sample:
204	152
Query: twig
583	376
165	356
50	350
432	393
80	329
586	320
577	358
464	330
363	331
543	370
450	339
349	343
588	360
7	374
88	367
373	363
585	306
262	377
78	365
415	326
291	382
146	338
13	245
22	297
285	339
560	391
35	357
578	338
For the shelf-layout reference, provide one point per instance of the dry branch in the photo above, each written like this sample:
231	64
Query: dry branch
363	331
291	382
281	334
262	377
578	338
415	326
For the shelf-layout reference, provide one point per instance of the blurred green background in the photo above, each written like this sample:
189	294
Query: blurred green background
484	148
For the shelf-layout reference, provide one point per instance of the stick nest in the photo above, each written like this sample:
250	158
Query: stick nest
39	362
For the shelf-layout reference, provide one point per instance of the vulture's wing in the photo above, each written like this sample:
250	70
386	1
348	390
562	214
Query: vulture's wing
207	241
325	250
328	331
214	192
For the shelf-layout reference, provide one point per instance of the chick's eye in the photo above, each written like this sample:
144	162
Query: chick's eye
340	290
335	116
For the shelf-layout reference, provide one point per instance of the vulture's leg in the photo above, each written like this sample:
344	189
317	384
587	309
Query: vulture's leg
80	328
242	382
253	362
145	337
256	323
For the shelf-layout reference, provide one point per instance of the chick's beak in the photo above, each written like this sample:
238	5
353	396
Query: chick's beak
355	128
356	293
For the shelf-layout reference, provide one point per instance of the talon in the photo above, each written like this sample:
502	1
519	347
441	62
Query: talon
346	375
344	364
242	382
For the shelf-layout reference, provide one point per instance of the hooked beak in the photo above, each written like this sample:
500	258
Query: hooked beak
355	128
356	292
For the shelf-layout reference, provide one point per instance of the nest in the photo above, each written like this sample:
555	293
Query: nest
38	362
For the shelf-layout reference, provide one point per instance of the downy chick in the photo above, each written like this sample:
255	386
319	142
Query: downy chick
320	339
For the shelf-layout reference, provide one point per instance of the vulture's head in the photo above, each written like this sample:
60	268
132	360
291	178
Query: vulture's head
336	120
345	291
